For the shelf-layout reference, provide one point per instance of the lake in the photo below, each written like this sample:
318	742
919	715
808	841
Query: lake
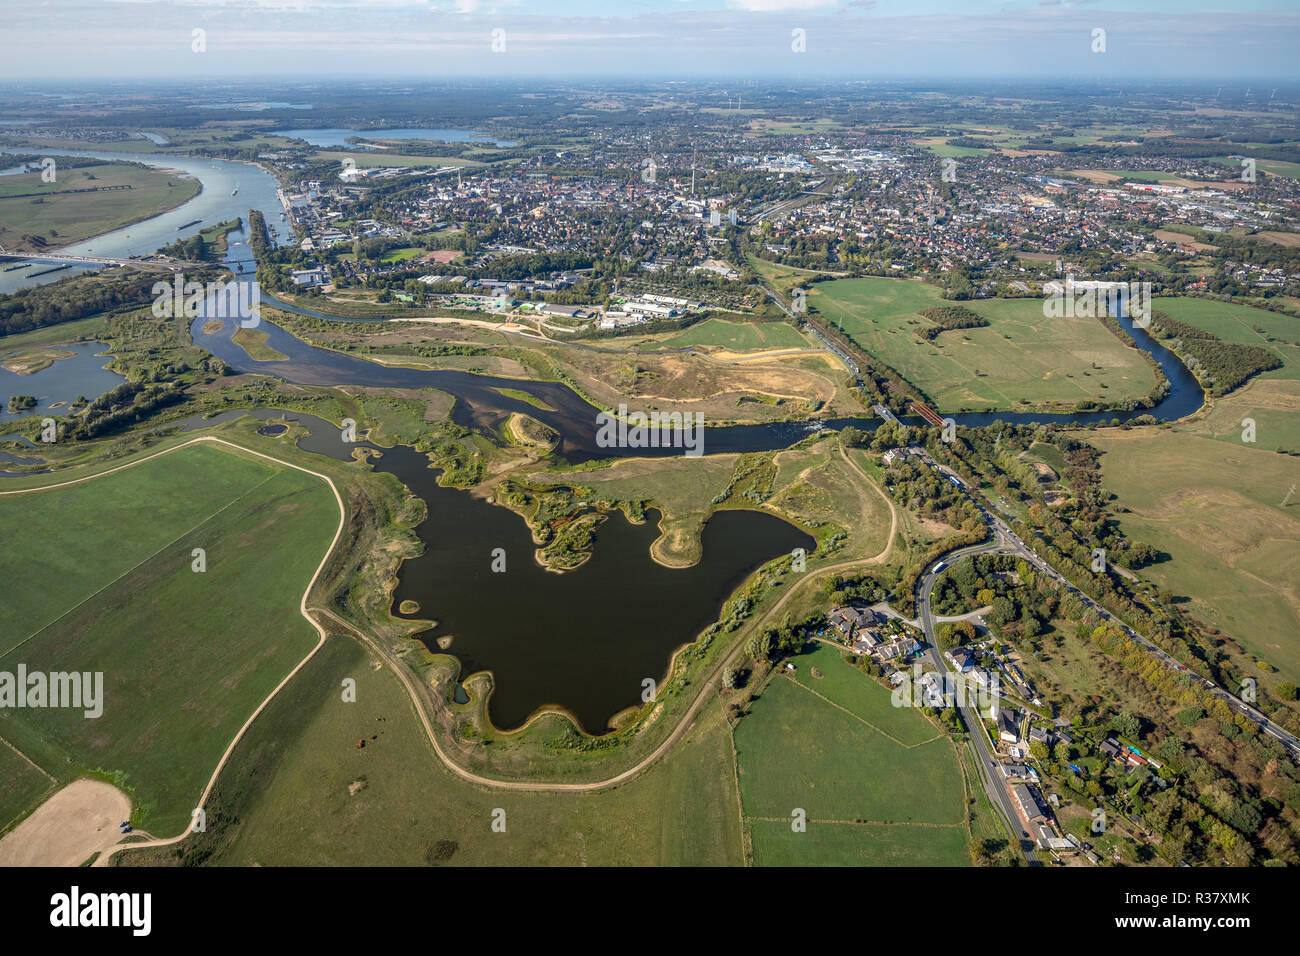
583	640
81	374
339	137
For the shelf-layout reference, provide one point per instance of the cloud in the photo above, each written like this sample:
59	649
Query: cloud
780	6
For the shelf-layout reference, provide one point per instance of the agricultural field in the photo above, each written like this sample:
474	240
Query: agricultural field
59	217
105	582
22	784
1021	358
938	146
874	780
1216	508
735	336
1242	324
857	844
1222	507
299	790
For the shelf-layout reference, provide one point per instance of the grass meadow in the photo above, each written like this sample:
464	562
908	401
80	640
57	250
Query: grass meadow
880	785
1020	358
299	791
104	582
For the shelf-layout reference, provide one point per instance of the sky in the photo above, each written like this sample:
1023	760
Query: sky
58	40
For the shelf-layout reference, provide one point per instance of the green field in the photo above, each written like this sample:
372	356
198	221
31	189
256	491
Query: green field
737	336
1021	357
21	785
1215	507
102	581
1242	324
873	779
1276	167
858	844
59	217
1213	502
298	791
403	255
1271	399
780	277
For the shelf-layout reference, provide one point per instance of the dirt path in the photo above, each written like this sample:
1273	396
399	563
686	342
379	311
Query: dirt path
684	725
79	820
885	555
302	607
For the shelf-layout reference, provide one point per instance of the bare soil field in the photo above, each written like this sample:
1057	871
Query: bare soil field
1282	238
1182	239
78	821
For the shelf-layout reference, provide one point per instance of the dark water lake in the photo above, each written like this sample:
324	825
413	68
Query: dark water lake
586	639
583	640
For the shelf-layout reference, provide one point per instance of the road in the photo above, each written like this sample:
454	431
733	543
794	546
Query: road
1023	550
1006	541
985	763
1011	543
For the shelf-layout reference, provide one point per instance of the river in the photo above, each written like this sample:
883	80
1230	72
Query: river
584	640
214	204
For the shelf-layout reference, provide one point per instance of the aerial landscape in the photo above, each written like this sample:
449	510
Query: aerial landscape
723	434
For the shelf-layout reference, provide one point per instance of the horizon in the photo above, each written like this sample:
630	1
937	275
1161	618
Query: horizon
695	39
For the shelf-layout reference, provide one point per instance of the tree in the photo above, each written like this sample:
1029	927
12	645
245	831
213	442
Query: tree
852	437
1004	611
945	637
965	631
1128	725
760	646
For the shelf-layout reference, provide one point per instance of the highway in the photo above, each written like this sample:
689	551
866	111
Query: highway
994	785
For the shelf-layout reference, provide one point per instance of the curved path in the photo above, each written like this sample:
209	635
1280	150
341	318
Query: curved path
302	607
683	726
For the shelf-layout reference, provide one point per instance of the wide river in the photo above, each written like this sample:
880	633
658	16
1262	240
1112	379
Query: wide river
217	202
